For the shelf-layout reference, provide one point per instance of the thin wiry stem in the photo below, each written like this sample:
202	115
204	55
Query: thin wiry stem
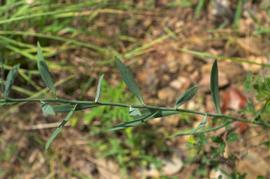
180	110
207	130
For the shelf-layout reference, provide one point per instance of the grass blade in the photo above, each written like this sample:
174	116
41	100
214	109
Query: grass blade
2	74
199	8
59	128
10	79
214	86
188	95
129	80
44	70
98	93
238	13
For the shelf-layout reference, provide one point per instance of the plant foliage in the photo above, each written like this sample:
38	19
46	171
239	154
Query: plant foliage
214	86
137	114
44	70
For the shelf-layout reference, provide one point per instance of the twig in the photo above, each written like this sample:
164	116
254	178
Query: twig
93	103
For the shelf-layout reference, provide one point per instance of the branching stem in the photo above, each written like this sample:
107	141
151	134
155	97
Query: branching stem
67	101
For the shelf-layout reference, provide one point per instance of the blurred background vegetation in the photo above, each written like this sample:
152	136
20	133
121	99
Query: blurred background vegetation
169	45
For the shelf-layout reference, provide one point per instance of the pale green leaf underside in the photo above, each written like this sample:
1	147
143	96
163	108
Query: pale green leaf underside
98	93
47	109
134	112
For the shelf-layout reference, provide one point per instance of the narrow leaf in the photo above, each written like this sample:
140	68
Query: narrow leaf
129	80
98	93
59	128
44	70
134	122
2	74
214	86
186	96
47	109
10	79
145	115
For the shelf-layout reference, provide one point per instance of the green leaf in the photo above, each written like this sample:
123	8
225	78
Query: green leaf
47	109
146	115
68	107
59	128
135	122
214	86
186	96
44	70
129	80
2	75
98	93
10	79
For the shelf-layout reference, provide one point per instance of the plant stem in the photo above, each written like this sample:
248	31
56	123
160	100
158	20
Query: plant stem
66	101
207	130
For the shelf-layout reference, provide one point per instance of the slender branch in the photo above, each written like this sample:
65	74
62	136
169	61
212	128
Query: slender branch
66	101
207	130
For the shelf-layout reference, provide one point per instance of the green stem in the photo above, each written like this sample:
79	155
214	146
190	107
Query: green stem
66	101
207	130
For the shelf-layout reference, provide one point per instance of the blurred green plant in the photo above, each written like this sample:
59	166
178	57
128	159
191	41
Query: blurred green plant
198	144
260	86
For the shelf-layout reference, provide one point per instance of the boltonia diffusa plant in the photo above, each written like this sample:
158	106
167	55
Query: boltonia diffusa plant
140	113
